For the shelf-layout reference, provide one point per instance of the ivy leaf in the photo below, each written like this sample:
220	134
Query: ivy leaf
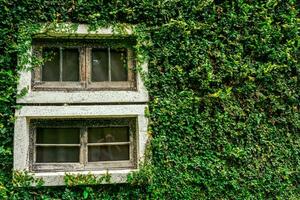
85	193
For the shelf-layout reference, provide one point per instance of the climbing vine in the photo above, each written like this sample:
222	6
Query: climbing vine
224	103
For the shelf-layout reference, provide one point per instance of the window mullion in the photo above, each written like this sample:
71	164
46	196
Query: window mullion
131	141
34	145
83	146
83	65
38	72
109	65
88	65
60	63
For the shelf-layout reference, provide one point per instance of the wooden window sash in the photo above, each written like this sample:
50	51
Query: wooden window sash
109	65
57	145
60	64
130	84
83	146
38	84
85	72
83	163
108	143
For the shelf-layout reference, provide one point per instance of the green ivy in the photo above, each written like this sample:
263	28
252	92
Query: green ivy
224	95
86	179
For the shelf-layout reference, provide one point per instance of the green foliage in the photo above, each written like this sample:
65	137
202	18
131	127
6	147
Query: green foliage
224	86
86	179
24	179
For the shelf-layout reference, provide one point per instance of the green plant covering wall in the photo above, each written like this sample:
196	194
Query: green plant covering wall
224	95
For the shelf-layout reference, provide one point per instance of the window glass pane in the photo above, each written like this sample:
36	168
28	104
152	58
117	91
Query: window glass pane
70	69
108	134
57	154
118	65
108	153
57	135
99	65
50	69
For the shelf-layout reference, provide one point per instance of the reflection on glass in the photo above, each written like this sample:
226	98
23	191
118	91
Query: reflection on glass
108	153
50	69
99	65
57	135
57	154
70	67
108	134
118	65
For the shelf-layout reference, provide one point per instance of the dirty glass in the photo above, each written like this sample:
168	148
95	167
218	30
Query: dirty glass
70	65
108	134
57	135
118	65
51	69
99	65
57	154
108	153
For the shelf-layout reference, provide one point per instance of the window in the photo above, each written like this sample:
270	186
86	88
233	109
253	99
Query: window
83	144
85	107
71	64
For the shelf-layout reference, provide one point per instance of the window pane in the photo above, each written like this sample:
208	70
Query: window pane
118	65
57	154
50	69
70	65
57	135
108	134
99	65
108	153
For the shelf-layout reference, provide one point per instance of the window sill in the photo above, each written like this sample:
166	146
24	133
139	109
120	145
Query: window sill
58	178
90	95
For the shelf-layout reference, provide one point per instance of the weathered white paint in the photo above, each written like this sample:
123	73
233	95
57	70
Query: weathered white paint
21	137
21	144
51	97
81	30
57	178
81	111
